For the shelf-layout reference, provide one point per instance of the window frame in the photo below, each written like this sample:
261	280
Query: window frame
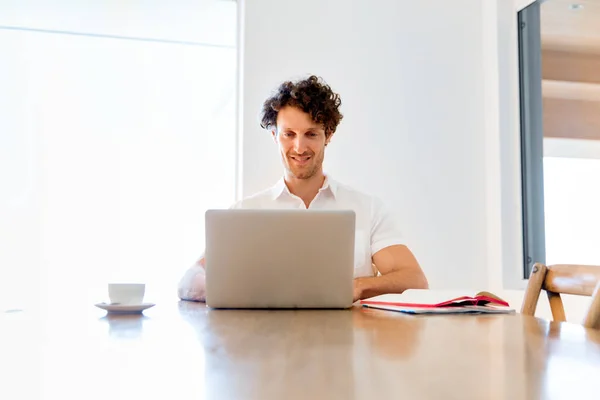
531	136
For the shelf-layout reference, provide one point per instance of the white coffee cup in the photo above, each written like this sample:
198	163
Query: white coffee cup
126	293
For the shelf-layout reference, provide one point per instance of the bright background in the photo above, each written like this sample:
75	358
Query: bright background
118	129
111	146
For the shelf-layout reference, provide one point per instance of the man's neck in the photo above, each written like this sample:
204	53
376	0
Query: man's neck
306	189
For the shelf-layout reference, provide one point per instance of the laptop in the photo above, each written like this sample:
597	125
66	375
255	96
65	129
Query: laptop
279	258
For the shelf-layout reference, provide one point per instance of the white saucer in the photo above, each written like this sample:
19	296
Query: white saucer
125	308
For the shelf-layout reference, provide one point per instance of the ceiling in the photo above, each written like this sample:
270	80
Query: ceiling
565	26
209	22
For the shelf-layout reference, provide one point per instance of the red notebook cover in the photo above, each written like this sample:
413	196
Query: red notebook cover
479	300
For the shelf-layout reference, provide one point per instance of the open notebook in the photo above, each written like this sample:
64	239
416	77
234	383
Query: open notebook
425	301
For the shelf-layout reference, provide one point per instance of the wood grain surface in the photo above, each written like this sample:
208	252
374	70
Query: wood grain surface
186	351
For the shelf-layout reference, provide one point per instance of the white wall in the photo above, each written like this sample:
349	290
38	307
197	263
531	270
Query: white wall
430	96
412	85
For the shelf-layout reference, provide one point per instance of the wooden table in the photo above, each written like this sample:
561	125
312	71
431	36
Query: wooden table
186	351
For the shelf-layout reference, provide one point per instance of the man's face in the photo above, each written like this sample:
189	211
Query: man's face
301	143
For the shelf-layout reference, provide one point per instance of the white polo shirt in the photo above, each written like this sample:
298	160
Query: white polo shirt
375	226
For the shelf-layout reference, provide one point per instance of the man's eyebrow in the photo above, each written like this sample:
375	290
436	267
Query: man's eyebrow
312	128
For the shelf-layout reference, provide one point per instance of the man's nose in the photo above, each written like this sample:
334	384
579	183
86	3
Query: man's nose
300	144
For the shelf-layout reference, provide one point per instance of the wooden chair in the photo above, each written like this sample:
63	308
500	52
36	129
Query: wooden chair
580	280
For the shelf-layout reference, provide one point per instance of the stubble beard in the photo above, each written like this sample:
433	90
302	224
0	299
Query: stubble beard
301	173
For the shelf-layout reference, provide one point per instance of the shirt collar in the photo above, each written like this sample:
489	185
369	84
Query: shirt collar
329	185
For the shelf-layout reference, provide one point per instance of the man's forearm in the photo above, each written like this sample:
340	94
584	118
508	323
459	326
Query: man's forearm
393	282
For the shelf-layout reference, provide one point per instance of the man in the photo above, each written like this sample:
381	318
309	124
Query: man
302	117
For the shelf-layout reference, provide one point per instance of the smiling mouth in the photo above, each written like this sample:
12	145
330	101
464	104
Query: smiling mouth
301	159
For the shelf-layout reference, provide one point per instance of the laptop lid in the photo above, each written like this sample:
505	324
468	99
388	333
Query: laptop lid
279	258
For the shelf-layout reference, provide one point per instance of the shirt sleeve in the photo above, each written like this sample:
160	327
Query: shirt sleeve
384	227
192	286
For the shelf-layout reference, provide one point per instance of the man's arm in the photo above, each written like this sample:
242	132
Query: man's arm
399	271
192	285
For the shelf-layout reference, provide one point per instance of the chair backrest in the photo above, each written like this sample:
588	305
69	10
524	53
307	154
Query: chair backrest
580	280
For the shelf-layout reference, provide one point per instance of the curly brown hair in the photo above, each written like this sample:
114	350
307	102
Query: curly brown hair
312	95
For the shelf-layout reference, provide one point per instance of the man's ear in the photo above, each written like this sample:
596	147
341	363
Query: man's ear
328	138
274	135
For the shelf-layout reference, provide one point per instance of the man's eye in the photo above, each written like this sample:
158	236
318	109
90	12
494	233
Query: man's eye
312	134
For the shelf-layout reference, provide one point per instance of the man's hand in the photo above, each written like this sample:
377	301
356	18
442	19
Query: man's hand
357	289
399	271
